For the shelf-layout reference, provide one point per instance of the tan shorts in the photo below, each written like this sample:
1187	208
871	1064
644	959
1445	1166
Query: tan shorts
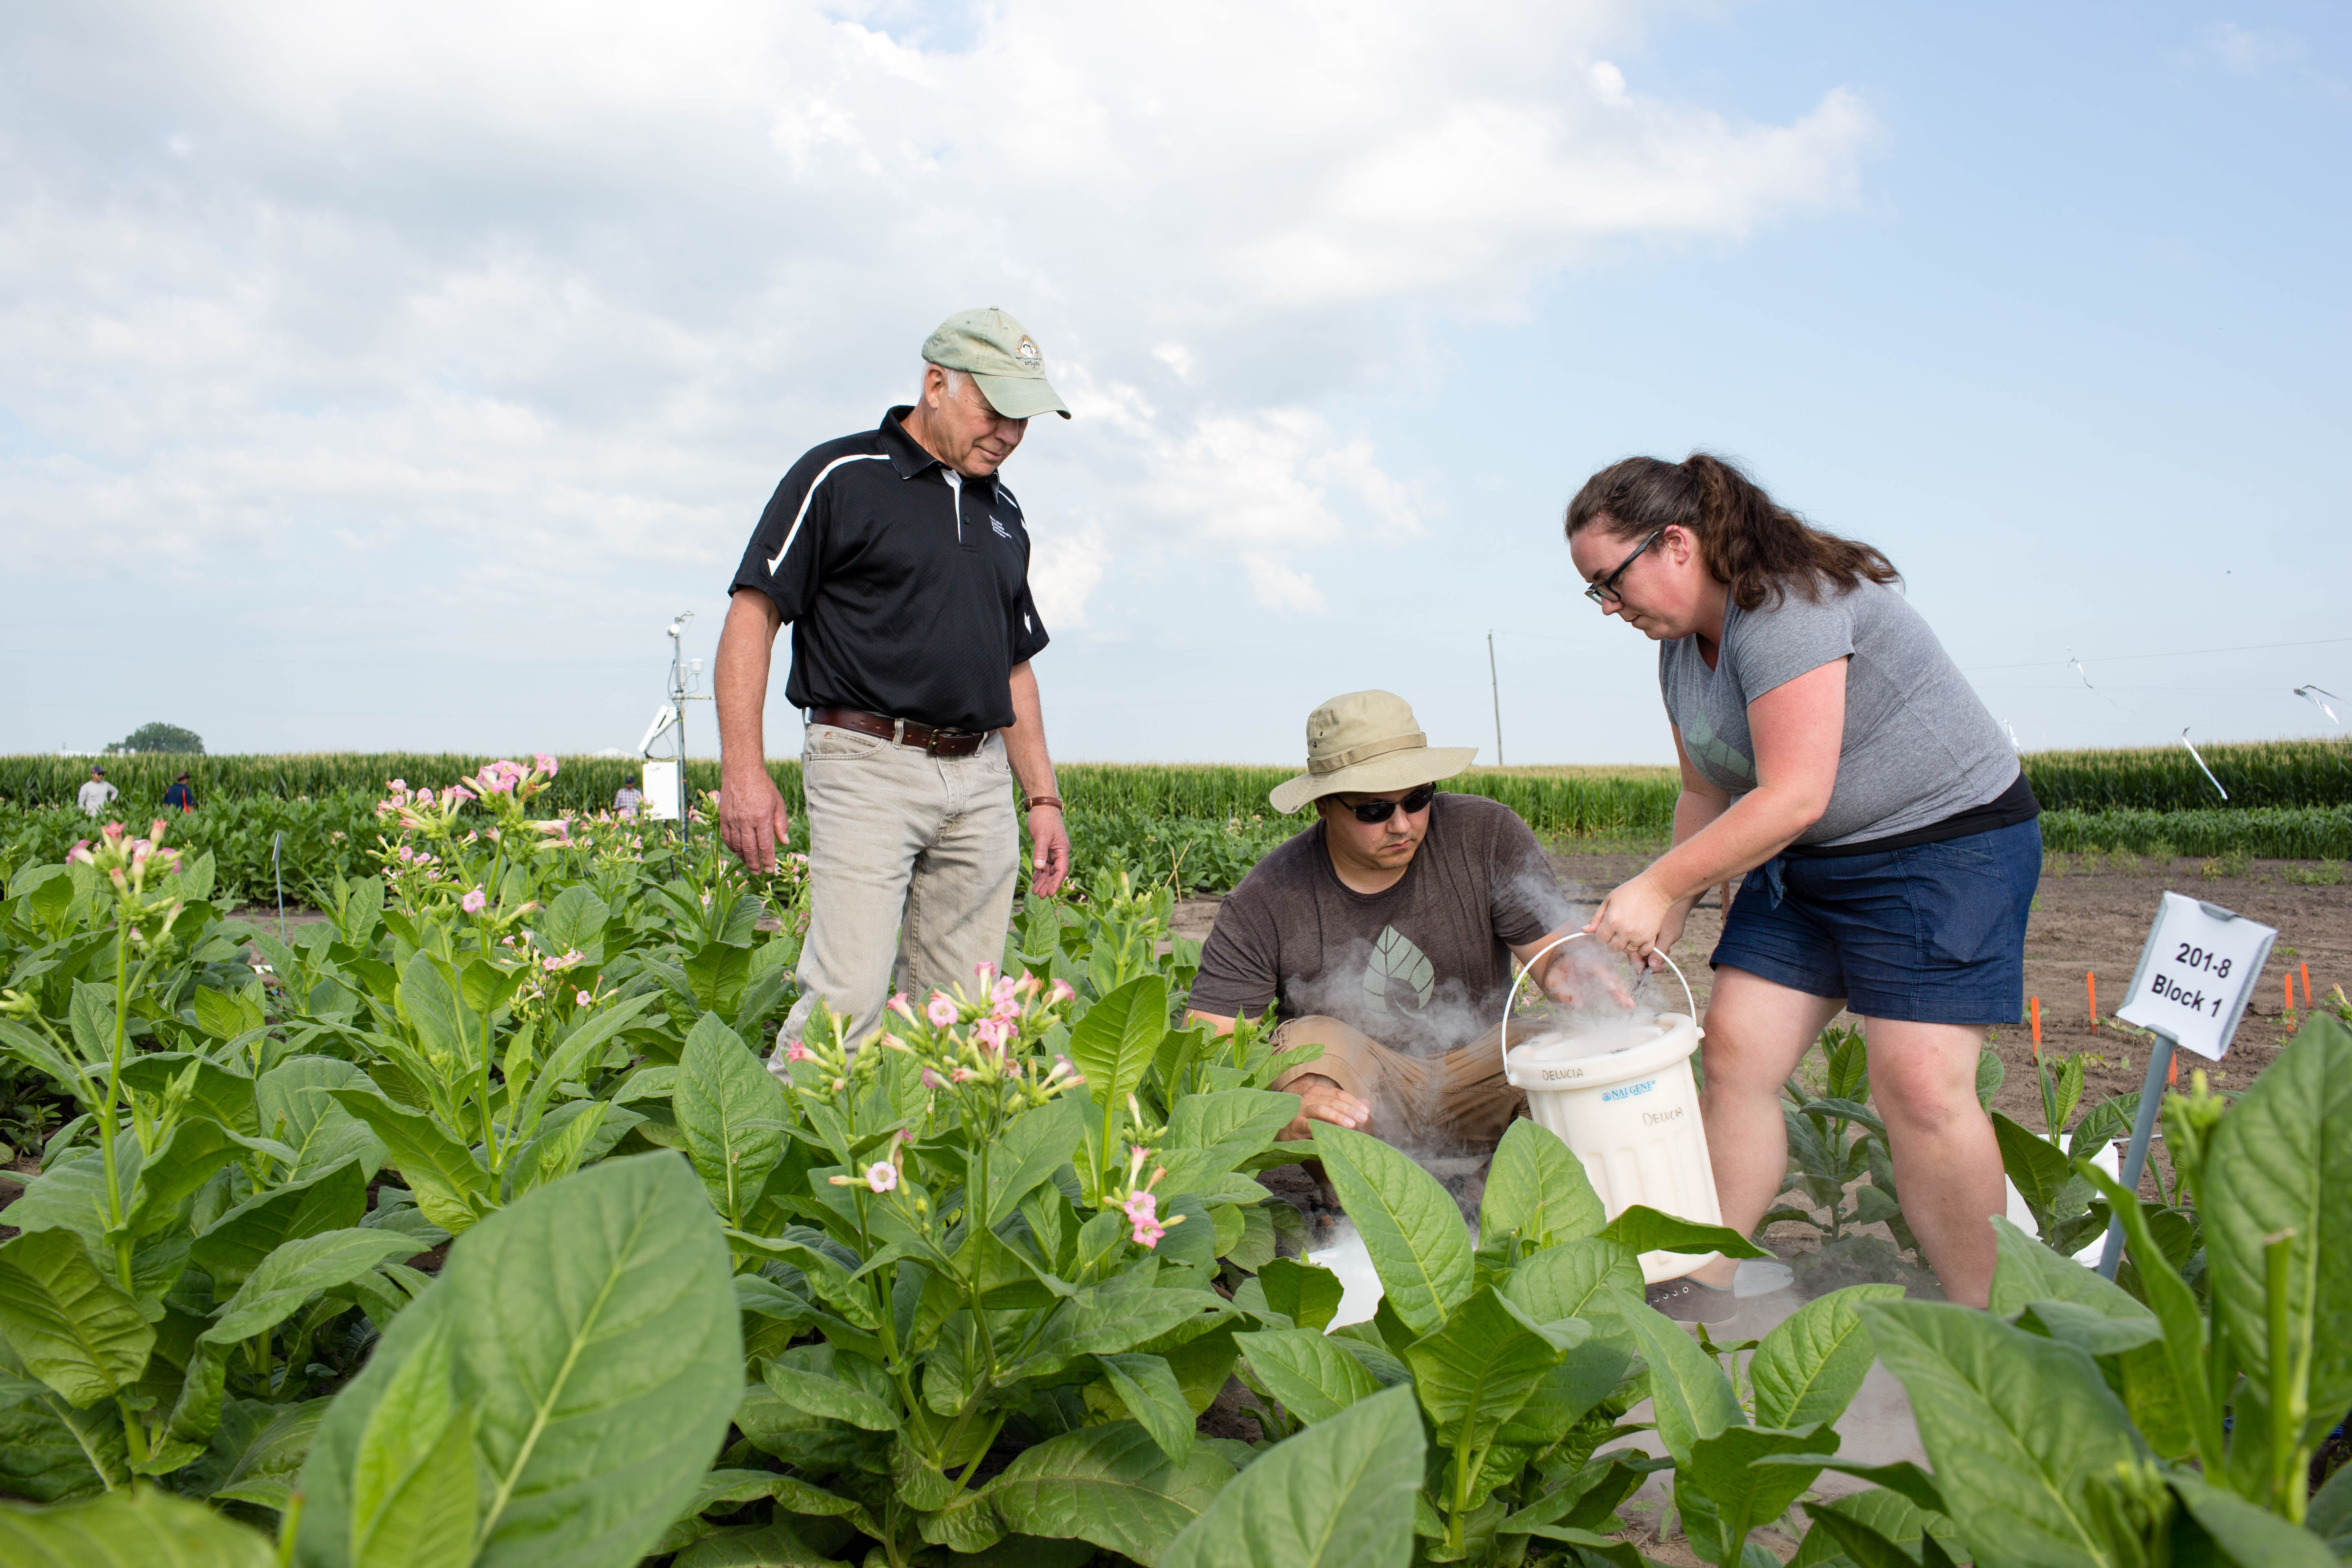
1457	1102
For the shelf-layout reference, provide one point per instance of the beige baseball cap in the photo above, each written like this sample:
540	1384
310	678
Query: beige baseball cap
998	353
1366	742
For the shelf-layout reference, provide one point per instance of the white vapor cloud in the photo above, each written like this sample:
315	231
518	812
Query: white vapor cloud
469	306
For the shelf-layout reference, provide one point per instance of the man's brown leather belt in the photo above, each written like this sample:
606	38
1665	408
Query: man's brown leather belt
930	742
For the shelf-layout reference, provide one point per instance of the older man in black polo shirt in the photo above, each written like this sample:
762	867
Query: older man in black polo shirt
900	559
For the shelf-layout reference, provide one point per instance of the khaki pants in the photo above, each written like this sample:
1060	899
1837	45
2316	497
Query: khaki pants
1458	1101
912	858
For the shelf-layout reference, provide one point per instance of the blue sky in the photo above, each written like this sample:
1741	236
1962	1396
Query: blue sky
379	386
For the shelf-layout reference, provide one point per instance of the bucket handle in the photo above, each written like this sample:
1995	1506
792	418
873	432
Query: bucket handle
1510	1000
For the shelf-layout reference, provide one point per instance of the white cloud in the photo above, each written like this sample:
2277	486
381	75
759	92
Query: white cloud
557	286
2248	51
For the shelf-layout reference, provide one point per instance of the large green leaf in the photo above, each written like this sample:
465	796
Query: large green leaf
1338	1495
1476	1371
1812	1361
1032	1148
1307	1372
1110	1485
436	1012
1121	1314
1209	1135
1147	1385
413	1498
1536	1188
217	1093
837	1398
1723	1493
298	1270
2016	1425
71	1194
142	1527
2248	1536
1114	1043
595	1338
1692	1397
256	1451
451	1188
1306	1293
2035	1164
75	1328
180	1164
233	1246
2282	1161
1575	1280
295	1107
1645	1230
1419	1245
732	1109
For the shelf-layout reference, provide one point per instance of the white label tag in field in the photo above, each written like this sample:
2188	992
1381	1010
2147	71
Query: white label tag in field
2196	973
661	789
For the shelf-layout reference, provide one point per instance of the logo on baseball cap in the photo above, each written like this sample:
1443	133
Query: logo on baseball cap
997	352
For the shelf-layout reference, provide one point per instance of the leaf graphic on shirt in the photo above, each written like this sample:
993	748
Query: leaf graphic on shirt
1398	977
1700	738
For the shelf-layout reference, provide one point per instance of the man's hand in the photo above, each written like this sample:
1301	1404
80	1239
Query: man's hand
1049	841
753	819
1320	1100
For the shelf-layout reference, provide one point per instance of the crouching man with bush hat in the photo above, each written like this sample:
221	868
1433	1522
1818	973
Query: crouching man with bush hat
1385	934
901	560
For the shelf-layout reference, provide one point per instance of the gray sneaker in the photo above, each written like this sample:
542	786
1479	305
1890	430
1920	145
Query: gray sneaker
1685	1300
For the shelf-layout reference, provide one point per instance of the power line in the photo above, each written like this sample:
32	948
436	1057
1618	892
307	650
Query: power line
2184	653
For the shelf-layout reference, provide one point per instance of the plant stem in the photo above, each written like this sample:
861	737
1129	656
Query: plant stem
2287	1398
116	1224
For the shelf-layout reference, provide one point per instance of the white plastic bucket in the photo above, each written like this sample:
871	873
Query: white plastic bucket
1623	1099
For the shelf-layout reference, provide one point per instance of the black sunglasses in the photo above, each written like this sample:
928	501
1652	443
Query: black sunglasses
1604	592
1373	811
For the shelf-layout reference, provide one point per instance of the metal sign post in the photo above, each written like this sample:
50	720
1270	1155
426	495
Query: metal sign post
2195	975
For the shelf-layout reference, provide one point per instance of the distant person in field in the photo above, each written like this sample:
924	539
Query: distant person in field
181	795
1832	753
902	561
94	792
628	800
1386	932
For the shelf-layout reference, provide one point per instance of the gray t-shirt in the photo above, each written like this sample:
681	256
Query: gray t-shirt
1422	967
1919	744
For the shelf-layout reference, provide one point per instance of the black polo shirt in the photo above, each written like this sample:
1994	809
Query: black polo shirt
906	584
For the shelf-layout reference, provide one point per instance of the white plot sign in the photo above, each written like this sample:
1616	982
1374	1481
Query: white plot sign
661	789
2199	967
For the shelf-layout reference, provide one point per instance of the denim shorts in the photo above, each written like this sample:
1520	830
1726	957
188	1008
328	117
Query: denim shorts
1932	934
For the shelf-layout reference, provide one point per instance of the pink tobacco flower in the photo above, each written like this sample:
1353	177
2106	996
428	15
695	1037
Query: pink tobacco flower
881	1175
113	832
1143	1208
900	1005
546	763
1004	990
459	792
986	972
1061	991
1007	1009
582	998
797	1052
994	1033
941	1010
1149	1232
931	1080
473	903
1030	986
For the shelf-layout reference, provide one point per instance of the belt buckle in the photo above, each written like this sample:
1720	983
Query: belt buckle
932	746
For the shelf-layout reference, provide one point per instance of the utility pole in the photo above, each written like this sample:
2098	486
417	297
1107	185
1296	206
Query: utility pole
1495	684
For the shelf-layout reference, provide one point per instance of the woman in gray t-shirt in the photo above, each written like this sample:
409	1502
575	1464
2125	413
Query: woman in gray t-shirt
1832	753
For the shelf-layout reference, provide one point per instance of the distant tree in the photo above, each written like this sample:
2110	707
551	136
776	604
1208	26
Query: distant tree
161	737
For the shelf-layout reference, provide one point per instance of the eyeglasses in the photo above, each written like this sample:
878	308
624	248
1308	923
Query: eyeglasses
1371	811
1604	593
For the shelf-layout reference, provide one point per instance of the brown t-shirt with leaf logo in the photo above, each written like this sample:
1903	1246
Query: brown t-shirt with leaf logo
1423	967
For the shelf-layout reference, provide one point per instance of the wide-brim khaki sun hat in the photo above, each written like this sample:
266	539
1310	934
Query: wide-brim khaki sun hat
997	352
1367	742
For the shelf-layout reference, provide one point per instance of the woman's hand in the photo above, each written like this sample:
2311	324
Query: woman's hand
1634	919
